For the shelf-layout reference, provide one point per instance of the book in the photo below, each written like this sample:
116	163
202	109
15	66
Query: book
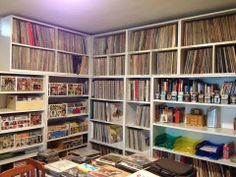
59	167
109	159
85	152
109	171
86	168
138	160
143	173
74	172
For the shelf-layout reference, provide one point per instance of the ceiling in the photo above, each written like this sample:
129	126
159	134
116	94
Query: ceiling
95	16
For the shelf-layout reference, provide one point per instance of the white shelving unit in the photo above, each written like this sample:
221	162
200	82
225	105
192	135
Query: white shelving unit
221	135
6	68
29	150
226	131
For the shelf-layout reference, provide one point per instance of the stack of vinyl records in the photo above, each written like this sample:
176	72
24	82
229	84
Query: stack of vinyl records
109	159
48	156
135	162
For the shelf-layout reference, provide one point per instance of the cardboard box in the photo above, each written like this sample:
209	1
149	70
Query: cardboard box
20	103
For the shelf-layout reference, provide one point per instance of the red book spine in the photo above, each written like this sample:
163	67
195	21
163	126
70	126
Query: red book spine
30	33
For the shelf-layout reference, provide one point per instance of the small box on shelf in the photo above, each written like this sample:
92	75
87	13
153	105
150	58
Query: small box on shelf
20	103
8	83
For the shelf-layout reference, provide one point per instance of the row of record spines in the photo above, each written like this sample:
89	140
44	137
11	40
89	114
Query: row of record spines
108	89
138	139
216	29
26	32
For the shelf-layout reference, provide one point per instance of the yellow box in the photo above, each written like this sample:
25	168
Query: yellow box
21	103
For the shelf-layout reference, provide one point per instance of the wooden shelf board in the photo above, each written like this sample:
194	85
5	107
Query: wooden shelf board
21	129
68	116
22	92
108	100
137	127
32	46
213	131
17	158
71	148
72	53
110	77
195	103
21	148
118	145
69	136
70	96
138	102
220	161
145	152
106	122
11	111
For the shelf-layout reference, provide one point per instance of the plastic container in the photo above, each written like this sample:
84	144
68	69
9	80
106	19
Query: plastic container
186	145
166	141
209	149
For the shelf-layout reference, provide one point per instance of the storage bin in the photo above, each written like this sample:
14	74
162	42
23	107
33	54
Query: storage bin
20	103
166	141
186	145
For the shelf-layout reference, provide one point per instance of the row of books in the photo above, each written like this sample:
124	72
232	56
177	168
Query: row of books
165	63
68	63
155	38
100	66
66	129
19	83
107	133
139	64
20	139
138	90
198	61
195	90
68	143
33	34
71	42
117	65
108	89
138	139
130	163
225	59
70	89
24	58
111	112
142	116
67	109
210	30
109	44
20	120
204	168
164	113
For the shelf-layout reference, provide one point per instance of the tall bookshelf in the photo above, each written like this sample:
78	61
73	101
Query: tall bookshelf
23	41
108	89
61	57
171	51
22	127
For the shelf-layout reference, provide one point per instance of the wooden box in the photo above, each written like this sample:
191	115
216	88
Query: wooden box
19	103
196	120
